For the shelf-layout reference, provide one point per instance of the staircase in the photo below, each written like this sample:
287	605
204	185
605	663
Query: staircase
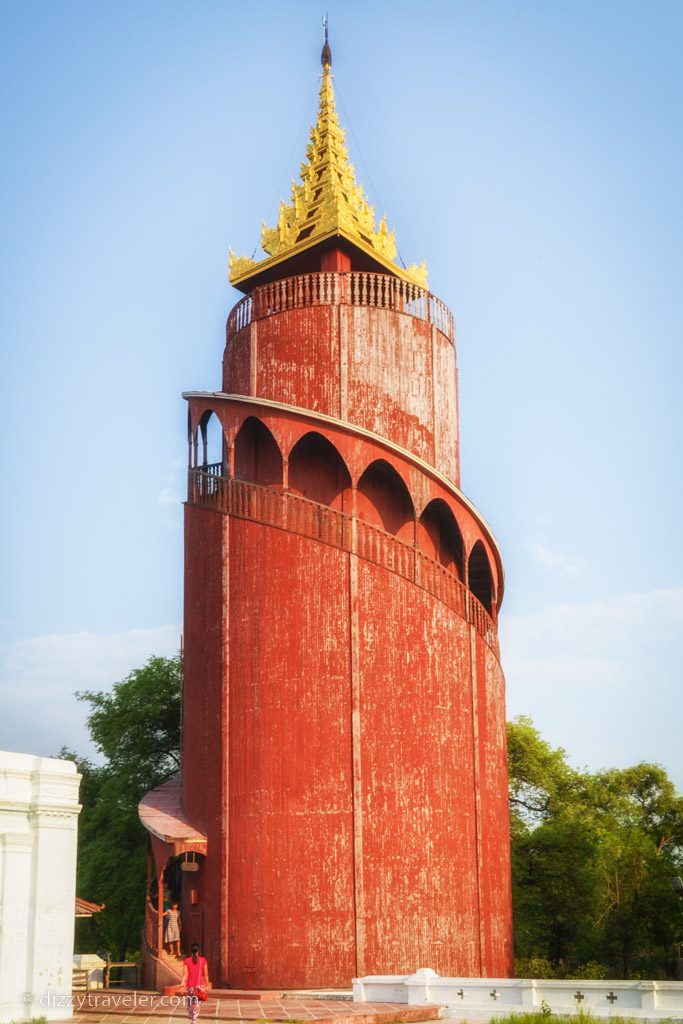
159	970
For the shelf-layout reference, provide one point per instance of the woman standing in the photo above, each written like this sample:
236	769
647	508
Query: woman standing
195	976
172	930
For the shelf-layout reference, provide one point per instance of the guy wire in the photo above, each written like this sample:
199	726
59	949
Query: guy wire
278	193
362	160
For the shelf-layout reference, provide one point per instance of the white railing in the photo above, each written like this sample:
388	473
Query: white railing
487	998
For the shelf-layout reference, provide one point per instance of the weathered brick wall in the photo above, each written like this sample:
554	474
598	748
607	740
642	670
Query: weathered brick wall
205	725
495	881
367	811
385	371
416	755
290	860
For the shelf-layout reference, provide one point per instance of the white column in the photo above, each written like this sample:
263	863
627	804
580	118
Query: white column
16	856
38	831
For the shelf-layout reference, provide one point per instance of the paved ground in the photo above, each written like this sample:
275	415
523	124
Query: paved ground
128	1007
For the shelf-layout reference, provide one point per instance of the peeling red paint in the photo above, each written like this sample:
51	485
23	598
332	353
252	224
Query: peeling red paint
380	369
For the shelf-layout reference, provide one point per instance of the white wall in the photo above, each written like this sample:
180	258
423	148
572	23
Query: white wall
487	998
38	829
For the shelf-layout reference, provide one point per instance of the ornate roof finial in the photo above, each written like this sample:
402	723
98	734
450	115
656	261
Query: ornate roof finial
326	55
327	204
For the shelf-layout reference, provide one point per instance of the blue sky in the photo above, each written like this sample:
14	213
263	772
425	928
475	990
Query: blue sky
530	151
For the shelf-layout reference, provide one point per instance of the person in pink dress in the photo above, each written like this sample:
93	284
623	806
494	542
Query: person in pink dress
195	976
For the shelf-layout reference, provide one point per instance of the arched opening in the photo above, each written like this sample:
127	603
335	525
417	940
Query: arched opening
318	472
438	535
481	580
384	499
191	440
175	901
210	440
257	456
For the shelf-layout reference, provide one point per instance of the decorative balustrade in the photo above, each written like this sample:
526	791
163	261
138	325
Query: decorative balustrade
272	507
354	288
317	521
151	926
480	619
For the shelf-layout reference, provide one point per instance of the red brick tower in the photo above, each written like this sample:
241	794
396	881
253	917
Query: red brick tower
344	786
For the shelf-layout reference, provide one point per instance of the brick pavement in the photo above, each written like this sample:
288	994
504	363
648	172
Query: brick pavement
129	1007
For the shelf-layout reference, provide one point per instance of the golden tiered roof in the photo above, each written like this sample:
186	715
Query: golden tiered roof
327	204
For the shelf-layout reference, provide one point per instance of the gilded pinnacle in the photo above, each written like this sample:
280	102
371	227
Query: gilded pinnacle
328	202
326	55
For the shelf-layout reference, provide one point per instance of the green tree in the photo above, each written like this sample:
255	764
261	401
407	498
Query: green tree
592	860
639	818
556	891
554	853
541	782
136	728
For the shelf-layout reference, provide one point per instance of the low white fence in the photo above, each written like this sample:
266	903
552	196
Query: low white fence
486	998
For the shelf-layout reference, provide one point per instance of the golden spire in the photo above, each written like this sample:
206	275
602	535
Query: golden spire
328	203
326	55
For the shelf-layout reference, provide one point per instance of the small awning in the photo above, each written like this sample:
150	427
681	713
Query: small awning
162	815
84	908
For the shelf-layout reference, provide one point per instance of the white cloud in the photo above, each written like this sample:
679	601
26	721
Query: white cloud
537	517
602	679
168	496
571	565
38	678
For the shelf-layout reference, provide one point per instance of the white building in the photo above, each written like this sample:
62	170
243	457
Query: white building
38	830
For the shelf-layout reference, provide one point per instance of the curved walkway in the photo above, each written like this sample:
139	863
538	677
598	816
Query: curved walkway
287	511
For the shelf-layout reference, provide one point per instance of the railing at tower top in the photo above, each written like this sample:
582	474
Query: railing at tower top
354	288
207	488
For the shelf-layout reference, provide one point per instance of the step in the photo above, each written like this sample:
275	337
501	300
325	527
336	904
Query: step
263	995
241	994
322	993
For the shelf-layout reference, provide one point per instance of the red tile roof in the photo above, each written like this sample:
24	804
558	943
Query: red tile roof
162	814
84	908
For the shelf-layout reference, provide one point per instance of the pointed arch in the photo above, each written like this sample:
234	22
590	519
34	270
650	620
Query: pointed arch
257	456
210	440
384	500
318	472
439	536
191	440
480	577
